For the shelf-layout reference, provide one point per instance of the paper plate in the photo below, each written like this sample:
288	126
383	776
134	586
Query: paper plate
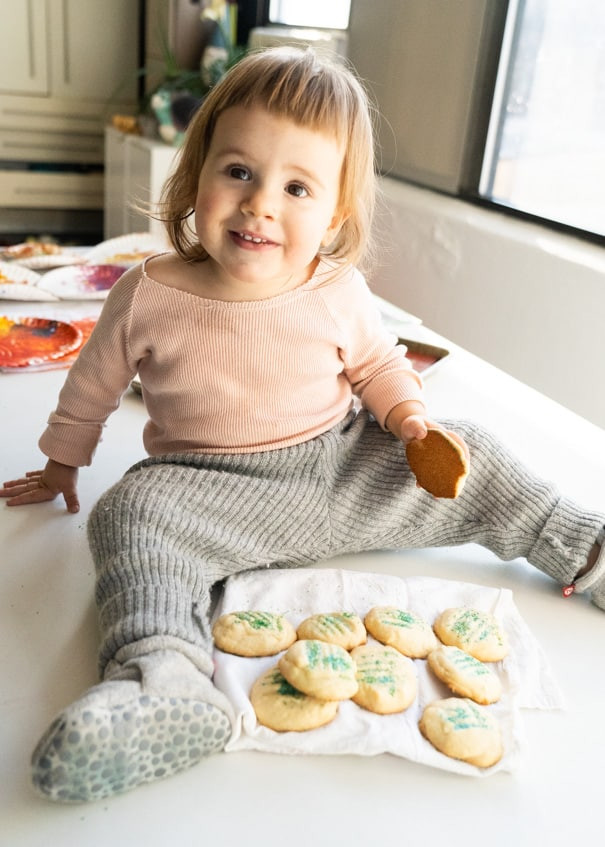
31	341
86	326
81	282
126	250
20	283
39	255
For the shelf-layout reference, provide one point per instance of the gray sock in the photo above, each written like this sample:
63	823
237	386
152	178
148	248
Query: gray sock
154	715
594	580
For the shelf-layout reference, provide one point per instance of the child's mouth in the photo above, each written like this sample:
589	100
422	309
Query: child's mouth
247	239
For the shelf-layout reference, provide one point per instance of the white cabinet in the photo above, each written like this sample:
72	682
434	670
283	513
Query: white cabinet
81	49
65	66
23	50
135	171
94	53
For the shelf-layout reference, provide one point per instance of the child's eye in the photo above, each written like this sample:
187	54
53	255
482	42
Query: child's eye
238	172
297	190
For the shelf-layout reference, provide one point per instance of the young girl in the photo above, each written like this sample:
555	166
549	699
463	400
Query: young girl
250	341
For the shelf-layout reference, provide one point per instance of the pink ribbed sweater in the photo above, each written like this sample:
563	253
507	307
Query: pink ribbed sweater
231	377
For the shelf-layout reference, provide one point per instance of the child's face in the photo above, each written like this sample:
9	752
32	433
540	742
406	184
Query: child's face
267	200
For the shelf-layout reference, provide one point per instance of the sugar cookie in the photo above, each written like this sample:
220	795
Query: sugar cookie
462	730
387	680
253	633
281	707
474	631
465	675
438	462
320	669
343	628
401	629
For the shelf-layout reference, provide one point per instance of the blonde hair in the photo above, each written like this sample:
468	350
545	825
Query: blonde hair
313	92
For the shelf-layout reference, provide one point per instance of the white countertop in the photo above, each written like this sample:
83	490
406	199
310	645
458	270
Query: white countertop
48	657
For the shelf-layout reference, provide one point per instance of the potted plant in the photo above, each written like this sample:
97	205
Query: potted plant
167	108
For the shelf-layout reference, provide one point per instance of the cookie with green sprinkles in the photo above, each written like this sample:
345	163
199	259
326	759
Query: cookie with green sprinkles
343	628
474	631
320	669
281	707
253	633
387	679
465	675
461	729
402	629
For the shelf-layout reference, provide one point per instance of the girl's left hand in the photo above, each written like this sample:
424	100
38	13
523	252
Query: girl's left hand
416	427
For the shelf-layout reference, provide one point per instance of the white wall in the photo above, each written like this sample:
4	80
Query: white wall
526	299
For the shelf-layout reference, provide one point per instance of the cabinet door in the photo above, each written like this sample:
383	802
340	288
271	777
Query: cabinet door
23	55
95	49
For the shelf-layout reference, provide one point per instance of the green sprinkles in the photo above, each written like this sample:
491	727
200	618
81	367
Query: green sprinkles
286	690
313	650
468	663
397	617
472	624
260	620
320	654
341	622
466	717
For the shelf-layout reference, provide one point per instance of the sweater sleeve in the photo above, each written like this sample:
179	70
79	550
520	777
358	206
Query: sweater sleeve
96	381
374	363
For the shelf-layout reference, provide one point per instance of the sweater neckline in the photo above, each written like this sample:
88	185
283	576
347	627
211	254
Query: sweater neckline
325	272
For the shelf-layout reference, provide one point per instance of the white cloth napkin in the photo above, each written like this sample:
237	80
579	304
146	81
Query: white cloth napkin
525	673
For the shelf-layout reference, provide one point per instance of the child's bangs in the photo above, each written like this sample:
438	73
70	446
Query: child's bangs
315	103
309	93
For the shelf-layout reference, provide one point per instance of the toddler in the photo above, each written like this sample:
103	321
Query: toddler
251	341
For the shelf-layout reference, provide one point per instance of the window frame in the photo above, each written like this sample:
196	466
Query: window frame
487	92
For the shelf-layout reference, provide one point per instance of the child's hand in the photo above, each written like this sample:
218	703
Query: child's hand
408	421
416	426
39	486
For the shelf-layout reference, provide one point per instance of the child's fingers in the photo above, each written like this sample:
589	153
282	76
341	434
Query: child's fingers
22	496
413	427
11	483
34	488
71	501
13	487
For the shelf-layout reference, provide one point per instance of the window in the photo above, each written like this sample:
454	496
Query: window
545	153
311	13
500	101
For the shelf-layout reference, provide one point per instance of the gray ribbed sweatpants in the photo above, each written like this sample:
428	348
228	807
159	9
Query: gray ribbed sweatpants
175	525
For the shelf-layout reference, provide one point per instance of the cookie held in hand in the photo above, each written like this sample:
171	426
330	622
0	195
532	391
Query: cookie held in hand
438	462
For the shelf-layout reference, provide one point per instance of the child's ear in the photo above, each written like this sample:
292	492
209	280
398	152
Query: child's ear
334	228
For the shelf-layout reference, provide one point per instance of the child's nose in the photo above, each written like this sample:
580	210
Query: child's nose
259	202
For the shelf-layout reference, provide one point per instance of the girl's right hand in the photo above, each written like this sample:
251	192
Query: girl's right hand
39	486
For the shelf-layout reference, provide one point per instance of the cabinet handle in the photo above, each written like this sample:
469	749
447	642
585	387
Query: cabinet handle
30	31
66	30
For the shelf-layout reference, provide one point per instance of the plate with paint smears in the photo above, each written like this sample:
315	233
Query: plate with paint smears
28	342
127	250
81	282
40	255
19	283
